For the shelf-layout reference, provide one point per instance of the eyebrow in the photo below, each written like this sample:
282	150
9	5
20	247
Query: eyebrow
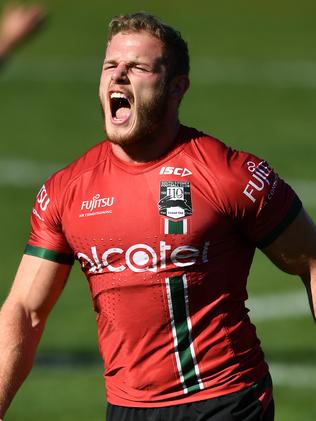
109	61
129	63
160	61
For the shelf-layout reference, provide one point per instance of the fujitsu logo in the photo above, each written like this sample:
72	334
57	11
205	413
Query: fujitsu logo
260	178
142	258
97	202
42	198
176	171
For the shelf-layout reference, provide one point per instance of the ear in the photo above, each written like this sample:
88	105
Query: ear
178	86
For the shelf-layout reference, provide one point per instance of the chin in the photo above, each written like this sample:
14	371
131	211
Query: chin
122	137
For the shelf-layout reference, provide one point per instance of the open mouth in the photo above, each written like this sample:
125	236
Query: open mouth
120	107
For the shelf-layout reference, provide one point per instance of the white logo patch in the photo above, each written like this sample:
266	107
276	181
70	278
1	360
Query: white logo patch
142	258
259	179
42	198
182	172
96	205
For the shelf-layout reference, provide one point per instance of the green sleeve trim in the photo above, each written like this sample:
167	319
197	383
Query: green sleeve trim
54	256
289	218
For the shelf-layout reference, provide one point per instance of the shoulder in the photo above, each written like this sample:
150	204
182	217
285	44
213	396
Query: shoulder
237	176
61	183
203	147
217	156
84	164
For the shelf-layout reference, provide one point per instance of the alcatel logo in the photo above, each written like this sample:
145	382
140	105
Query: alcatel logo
142	258
176	171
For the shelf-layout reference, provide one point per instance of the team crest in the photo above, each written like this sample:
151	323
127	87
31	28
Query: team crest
175	199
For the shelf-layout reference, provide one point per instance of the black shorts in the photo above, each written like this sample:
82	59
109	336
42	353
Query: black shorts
254	403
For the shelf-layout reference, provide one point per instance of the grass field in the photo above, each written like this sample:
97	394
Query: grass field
253	84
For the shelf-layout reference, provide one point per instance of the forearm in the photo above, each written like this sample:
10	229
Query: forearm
18	343
16	24
36	288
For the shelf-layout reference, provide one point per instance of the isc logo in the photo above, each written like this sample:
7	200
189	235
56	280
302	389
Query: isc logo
176	171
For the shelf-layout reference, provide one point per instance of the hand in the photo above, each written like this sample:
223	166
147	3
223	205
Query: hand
17	23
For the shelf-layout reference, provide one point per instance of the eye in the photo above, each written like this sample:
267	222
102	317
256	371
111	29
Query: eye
140	68
109	66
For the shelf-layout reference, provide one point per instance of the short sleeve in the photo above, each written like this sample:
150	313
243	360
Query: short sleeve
47	239
258	200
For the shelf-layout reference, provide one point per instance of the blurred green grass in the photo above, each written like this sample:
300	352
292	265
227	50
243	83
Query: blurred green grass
60	394
253	85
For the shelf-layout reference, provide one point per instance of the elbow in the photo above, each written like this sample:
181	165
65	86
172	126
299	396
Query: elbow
37	318
31	317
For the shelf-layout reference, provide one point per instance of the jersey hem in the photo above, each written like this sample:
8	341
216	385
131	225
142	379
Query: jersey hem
201	395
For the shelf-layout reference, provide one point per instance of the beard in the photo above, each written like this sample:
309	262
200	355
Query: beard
151	115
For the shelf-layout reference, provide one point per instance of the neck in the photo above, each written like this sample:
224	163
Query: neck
152	148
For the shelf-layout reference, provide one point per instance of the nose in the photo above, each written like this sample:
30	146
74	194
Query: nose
120	73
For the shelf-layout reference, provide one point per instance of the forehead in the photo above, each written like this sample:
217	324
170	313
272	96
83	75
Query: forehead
129	46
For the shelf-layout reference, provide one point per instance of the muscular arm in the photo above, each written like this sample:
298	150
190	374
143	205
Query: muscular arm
36	288
294	251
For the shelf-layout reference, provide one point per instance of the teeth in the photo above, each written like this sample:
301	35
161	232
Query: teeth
117	95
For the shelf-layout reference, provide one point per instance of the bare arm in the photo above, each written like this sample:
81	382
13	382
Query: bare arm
294	251
35	290
16	24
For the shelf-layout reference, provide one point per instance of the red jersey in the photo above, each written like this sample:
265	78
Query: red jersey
166	247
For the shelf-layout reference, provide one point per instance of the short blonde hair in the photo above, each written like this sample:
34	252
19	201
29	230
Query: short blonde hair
176	49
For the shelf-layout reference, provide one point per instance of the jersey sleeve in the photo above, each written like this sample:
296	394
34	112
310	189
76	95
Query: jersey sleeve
47	239
257	199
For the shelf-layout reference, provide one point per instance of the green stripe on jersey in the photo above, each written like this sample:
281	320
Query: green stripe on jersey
176	227
289	218
182	333
54	256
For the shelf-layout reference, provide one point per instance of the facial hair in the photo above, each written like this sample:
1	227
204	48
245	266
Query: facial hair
151	115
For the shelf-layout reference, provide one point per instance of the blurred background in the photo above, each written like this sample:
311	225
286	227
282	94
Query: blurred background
253	84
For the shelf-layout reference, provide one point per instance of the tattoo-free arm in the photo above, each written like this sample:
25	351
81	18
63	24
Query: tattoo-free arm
35	290
294	251
17	22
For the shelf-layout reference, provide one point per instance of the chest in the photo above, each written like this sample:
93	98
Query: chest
162	219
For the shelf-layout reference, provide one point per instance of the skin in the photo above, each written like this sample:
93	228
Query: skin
17	23
39	282
294	252
134	66
36	288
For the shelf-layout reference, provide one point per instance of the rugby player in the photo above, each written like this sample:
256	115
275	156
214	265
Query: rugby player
164	220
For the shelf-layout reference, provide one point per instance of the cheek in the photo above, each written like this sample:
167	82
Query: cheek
149	93
103	98
102	85
158	87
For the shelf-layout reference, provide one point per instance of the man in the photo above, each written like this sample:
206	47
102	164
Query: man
164	221
17	23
